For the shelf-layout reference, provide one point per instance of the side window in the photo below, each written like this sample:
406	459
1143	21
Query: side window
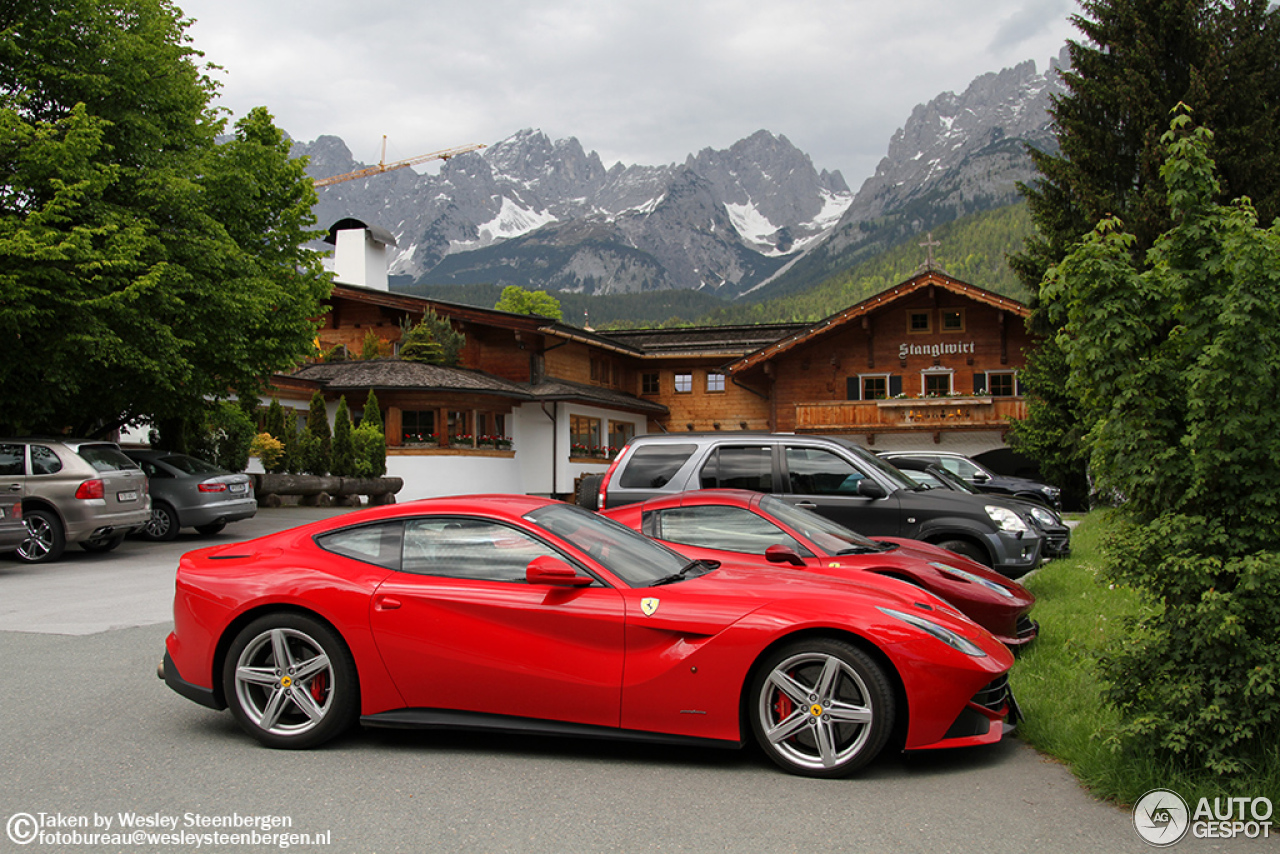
477	549
732	529
375	544
815	471
960	468
44	460
651	466
739	468
153	471
11	460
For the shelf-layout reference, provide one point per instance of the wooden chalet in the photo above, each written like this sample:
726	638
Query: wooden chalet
536	403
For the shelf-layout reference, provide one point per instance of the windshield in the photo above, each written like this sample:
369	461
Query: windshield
634	558
953	481
191	465
900	480
828	536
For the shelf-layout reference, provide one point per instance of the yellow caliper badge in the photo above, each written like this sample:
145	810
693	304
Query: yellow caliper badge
648	605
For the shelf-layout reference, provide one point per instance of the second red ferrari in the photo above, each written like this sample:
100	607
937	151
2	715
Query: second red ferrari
737	525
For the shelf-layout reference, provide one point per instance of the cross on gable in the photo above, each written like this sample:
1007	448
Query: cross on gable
928	245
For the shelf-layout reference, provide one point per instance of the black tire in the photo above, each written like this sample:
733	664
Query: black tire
589	491
211	529
98	546
164	524
967	549
311	697
45	540
820	732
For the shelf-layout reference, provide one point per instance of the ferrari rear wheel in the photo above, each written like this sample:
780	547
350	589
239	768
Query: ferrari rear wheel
290	681
821	708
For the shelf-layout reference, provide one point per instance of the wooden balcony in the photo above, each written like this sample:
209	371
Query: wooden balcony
908	415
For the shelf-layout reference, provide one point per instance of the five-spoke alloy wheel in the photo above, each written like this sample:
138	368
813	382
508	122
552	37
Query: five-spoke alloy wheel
290	681
821	708
45	540
164	522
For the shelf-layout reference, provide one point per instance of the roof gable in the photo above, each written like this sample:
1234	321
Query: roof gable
878	302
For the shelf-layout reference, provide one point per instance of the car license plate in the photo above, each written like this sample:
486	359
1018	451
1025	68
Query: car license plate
126	496
239	487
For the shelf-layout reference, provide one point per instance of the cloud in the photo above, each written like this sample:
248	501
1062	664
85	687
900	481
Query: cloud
640	82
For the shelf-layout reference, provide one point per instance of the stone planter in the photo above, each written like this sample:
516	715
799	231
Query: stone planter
274	490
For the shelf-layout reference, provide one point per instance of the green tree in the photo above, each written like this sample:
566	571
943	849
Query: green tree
517	300
432	340
1174	370
372	346
344	460
1140	58
371	416
144	268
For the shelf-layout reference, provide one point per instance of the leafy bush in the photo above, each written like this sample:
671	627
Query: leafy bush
1199	680
269	450
225	437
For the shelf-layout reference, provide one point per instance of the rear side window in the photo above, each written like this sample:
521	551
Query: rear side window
105	458
377	544
44	460
739	468
11	460
652	466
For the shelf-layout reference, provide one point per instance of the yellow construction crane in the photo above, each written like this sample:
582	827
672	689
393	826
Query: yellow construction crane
384	166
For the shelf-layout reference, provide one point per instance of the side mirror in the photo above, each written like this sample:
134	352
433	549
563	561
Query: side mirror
979	477
868	488
554	572
779	553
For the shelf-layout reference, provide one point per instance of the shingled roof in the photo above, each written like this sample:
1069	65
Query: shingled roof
557	389
389	374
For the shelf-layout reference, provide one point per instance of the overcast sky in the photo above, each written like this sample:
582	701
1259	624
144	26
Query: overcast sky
639	81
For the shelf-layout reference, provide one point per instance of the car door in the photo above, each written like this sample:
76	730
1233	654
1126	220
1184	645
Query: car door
820	480
459	627
13	468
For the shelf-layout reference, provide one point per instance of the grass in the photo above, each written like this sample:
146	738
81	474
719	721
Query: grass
1058	687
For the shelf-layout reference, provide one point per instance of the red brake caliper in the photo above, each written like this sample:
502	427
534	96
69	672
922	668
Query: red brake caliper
318	687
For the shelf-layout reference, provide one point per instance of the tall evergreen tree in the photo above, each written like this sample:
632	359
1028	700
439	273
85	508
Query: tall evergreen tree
1138	61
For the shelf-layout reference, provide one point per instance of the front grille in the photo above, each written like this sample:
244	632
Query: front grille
995	696
1026	627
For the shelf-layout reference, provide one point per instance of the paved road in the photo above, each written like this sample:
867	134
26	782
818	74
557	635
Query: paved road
87	730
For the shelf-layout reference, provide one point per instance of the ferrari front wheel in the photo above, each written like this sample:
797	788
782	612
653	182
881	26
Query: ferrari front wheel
290	681
821	708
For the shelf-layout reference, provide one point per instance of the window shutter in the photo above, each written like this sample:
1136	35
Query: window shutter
1017	384
852	388
895	385
979	383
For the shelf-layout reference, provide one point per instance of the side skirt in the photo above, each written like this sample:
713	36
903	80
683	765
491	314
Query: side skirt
447	719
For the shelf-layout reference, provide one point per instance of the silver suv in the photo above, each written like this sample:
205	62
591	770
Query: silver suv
73	491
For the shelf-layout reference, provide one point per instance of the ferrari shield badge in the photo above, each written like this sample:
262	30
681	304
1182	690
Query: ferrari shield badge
648	605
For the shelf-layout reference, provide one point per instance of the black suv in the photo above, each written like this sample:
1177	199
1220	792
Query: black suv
984	479
830	475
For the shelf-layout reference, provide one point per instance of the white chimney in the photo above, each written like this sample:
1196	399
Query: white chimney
360	253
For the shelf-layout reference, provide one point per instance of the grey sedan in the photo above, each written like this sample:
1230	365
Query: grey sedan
187	492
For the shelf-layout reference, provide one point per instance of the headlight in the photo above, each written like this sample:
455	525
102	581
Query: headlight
1006	519
974	578
942	633
1045	517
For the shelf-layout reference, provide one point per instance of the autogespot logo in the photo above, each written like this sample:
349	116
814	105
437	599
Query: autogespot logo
1161	817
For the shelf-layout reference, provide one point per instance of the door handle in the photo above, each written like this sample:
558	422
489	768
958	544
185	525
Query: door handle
807	505
386	603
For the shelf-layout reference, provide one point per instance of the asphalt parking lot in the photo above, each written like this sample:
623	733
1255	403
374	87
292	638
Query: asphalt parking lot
90	735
